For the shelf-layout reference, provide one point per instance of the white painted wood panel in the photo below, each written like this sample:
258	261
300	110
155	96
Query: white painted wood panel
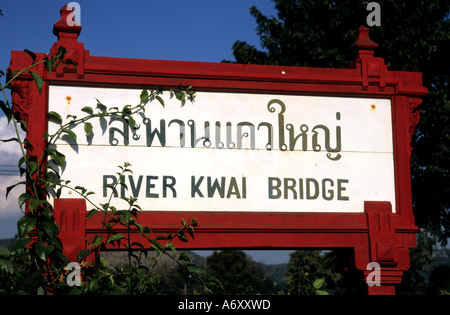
359	165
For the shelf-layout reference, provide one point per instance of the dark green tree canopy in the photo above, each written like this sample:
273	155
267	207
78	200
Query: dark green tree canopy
414	36
238	273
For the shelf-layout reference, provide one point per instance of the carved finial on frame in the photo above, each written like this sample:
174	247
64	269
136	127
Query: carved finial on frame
364	43
67	26
67	30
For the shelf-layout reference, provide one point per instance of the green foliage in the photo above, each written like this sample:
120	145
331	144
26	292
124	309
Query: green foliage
35	264
306	274
239	274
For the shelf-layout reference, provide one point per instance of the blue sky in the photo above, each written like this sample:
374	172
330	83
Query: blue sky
190	30
193	30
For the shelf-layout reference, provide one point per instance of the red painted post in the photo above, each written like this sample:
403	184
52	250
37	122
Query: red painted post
380	290
387	249
70	215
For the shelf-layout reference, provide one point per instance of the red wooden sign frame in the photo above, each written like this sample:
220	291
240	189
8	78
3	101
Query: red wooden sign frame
377	235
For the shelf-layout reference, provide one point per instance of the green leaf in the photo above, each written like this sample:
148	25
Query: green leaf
49	63
25	225
51	228
54	117
34	203
61	52
126	111
83	190
100	106
74	117
93	284
140	245
41	251
179	95
32	168
23	125
88	129
182	237
115	237
7	265
139	226
318	283
37	80
171	247
184	258
23	198
199	271
125	216
83	254
91	213
72	134
156	248
156	245
322	292
70	62
214	281
131	121
146	230
8	189
6	110
59	246
192	268
46	212
144	96
22	243
4	253
88	110
161	101
57	157
49	249
76	291
31	54
21	161
97	241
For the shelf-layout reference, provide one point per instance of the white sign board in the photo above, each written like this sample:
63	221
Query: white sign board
233	151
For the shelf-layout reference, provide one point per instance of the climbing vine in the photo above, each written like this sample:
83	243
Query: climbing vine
35	263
